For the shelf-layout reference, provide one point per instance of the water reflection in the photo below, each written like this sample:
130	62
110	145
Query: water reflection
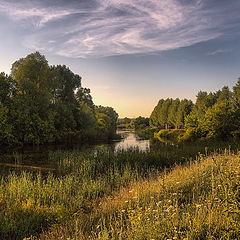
38	156
131	140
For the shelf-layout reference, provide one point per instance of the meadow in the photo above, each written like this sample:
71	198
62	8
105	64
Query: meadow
130	194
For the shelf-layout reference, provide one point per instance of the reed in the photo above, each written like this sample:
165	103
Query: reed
97	194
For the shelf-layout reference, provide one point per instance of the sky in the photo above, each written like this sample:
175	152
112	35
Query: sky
130	53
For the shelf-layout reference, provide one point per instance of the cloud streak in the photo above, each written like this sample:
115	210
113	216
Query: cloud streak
102	28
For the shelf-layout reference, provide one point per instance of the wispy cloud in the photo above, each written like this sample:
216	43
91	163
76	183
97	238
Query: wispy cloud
219	51
114	27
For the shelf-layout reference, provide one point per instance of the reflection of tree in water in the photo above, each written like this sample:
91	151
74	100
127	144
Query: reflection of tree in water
131	140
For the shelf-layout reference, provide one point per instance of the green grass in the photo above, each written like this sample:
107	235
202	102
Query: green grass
68	201
31	202
195	202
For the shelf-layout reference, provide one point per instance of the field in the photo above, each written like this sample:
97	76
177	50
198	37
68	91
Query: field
125	195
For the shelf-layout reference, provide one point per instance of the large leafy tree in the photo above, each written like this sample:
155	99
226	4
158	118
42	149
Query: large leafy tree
219	120
184	109
7	88
31	110
41	103
83	95
65	83
154	118
163	113
106	120
173	109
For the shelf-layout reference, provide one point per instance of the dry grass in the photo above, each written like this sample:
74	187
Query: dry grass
200	200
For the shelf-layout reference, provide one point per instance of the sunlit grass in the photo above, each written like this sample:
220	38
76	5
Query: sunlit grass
124	195
197	201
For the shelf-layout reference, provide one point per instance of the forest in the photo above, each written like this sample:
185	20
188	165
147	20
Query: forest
42	104
214	114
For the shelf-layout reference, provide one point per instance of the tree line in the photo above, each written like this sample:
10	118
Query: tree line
214	114
133	123
171	113
40	104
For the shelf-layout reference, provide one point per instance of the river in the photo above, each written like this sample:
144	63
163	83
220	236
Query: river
41	157
37	158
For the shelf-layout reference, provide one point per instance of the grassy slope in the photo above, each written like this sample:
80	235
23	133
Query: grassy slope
198	201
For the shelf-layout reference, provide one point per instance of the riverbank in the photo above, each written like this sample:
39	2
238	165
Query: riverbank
125	195
197	201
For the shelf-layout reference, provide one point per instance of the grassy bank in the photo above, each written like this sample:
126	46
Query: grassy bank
196	201
30	202
170	135
124	195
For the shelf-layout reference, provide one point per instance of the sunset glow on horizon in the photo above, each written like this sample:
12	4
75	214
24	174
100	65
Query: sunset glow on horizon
129	53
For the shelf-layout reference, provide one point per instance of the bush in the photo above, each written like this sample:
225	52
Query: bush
170	135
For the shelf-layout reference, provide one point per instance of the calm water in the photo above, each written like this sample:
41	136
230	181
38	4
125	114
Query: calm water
38	156
131	140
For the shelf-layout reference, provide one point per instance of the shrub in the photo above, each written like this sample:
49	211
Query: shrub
170	135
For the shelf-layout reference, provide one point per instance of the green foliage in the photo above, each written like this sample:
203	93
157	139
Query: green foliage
214	115
42	104
106	121
171	113
218	120
65	82
125	120
127	123
154	122
141	122
83	96
7	86
184	109
6	131
173	110
170	135
146	133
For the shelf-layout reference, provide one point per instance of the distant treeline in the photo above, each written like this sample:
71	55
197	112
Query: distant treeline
133	123
215	114
41	104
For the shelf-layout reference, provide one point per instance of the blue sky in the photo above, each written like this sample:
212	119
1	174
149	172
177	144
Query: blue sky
130	53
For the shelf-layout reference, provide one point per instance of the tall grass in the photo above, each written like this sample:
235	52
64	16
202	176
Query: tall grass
69	199
31	202
196	201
